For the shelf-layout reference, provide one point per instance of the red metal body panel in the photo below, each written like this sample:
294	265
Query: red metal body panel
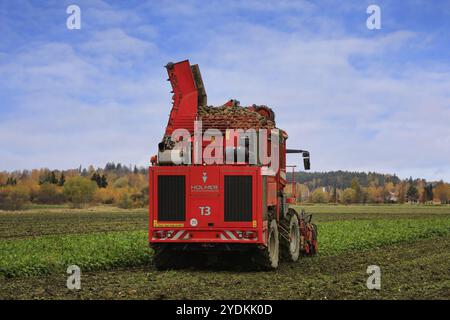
185	97
199	193
272	193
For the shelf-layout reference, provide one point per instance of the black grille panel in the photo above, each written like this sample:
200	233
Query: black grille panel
171	198
238	198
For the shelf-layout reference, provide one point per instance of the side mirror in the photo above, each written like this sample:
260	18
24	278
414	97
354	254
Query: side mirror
305	155
306	162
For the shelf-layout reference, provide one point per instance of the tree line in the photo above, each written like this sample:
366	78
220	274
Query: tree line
115	184
342	179
359	187
126	186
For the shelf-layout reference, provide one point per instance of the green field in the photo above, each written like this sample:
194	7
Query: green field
110	245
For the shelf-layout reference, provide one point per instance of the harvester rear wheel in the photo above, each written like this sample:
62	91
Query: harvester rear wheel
290	250
269	257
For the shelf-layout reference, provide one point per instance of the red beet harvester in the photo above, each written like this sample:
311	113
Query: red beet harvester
214	209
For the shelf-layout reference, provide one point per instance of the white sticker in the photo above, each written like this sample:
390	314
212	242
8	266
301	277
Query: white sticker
194	222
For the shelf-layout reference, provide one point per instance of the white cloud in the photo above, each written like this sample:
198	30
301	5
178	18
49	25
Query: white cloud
117	43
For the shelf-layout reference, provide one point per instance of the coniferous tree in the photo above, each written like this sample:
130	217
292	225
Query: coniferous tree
53	179
11	181
96	178
110	166
412	194
99	180
103	182
428	191
62	180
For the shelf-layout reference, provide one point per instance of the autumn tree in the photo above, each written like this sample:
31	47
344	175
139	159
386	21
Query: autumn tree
357	188
372	194
319	196
49	194
364	195
125	201
122	182
401	192
3	178
140	199
334	196
349	195
442	192
13	197
79	190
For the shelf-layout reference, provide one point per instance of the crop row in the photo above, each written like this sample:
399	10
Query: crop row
97	251
342	236
51	254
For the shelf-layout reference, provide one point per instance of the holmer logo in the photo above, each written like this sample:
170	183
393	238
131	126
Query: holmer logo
211	187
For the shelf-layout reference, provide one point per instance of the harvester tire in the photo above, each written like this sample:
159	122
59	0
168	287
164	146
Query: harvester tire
269	257
290	250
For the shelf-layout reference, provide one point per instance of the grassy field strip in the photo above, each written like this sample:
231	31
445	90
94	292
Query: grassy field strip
342	236
322	213
95	251
99	251
376	209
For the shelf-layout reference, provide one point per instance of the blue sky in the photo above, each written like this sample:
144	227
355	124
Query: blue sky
358	99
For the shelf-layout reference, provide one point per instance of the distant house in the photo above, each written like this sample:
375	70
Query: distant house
392	197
